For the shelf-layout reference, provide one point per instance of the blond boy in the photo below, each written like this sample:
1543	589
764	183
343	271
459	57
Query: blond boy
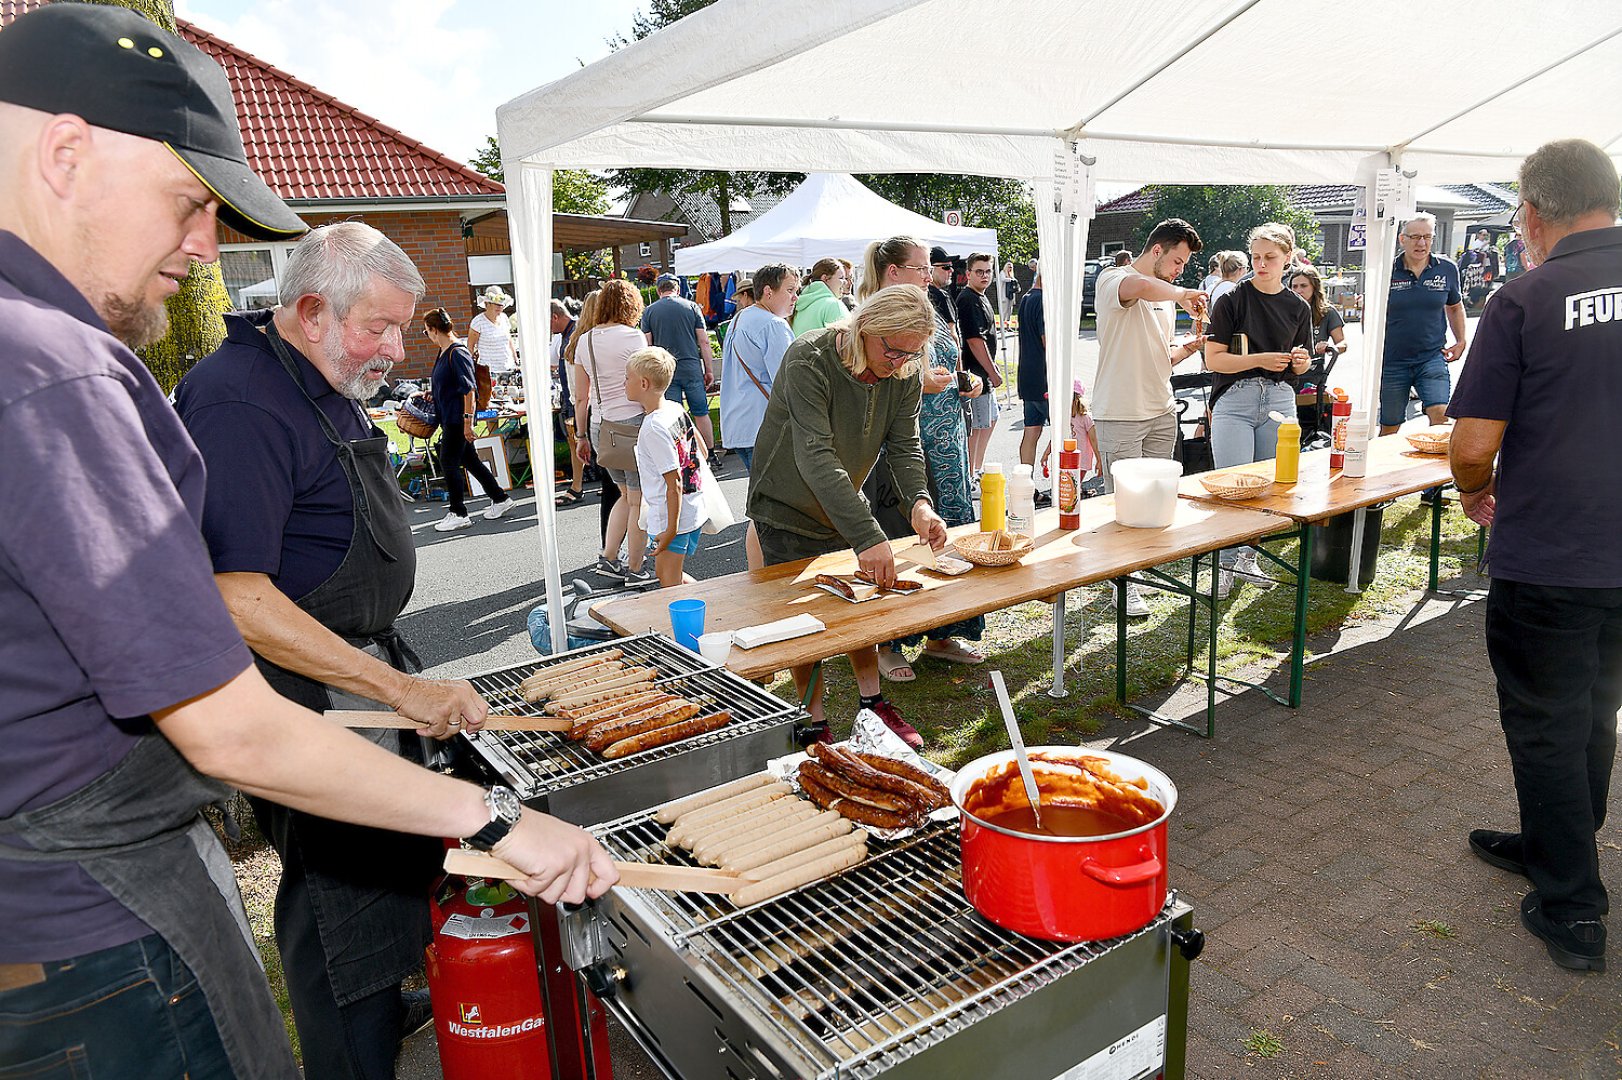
669	456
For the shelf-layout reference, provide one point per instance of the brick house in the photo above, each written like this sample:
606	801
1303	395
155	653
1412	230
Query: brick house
699	217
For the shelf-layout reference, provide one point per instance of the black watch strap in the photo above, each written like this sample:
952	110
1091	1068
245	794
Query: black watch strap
487	837
505	812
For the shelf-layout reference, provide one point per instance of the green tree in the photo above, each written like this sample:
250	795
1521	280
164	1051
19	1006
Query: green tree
195	326
1224	216
986	202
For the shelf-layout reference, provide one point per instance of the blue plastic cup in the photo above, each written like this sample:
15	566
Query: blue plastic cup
687	622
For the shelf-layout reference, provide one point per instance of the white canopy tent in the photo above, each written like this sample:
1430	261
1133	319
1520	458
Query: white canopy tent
830	215
1086	90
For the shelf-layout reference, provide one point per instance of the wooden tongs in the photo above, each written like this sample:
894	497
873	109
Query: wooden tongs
633	875
366	718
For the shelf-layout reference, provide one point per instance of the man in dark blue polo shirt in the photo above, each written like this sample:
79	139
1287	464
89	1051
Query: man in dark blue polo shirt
1033	378
1425	303
1542	389
129	701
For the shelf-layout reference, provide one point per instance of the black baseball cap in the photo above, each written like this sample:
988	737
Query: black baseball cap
114	69
937	255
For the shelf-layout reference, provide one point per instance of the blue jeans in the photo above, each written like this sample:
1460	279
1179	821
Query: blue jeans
687	387
129	1011
746	454
1242	432
1427	374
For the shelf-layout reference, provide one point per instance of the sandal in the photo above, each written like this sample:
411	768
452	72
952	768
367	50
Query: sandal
956	652
567	497
894	666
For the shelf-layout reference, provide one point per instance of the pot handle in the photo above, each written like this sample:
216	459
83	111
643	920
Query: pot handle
1123	875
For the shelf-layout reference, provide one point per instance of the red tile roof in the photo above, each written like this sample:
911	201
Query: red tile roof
308	145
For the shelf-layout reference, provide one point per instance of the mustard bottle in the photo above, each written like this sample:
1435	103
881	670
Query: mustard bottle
993	498
1287	458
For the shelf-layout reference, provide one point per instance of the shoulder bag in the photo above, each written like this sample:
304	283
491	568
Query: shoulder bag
616	439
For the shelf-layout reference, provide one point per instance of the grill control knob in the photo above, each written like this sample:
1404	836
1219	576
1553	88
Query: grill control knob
604	979
1189	942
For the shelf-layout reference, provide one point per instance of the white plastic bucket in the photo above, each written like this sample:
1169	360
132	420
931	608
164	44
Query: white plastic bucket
1146	491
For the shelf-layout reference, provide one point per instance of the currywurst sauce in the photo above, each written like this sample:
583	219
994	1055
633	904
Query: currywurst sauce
1059	820
1080	796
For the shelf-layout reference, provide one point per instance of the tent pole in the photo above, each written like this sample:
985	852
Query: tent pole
530	215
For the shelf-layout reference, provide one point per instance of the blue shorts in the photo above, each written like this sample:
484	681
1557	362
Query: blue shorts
685	543
1427	374
688	386
983	410
1036	413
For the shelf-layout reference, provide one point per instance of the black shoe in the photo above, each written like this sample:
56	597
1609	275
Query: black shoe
418	1010
1043	500
1431	496
1578	945
1500	849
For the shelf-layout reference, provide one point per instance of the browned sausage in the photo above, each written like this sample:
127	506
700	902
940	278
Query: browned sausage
838	584
667	735
902	585
659	716
615	710
610	717
941	795
861	813
853	789
849	764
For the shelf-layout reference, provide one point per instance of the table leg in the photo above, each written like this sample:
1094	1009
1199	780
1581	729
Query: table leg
1194	604
1436	539
1354	566
1298	648
811	687
1057	689
1211	648
1120	640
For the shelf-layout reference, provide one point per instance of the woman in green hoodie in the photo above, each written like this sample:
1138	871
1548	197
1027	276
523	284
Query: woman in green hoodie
819	304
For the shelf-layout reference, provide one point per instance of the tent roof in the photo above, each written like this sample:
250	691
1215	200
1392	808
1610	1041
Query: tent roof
831	214
723	89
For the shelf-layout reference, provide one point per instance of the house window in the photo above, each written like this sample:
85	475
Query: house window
252	274
646	250
1108	248
675	242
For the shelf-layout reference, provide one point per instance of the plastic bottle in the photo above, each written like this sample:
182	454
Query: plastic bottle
1287	459
1022	501
1357	445
1340	413
993	499
1070	486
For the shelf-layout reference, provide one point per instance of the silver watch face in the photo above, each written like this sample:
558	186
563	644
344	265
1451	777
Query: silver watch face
504	804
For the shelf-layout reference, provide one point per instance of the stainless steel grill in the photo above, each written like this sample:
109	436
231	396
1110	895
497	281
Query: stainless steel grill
882	969
566	779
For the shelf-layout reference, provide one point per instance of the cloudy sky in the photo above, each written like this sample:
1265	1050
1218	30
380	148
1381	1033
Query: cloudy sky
435	69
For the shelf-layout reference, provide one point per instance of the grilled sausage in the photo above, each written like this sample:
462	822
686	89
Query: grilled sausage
623	684
942	795
579	677
853	789
838	585
776	789
664	736
670	811
748	828
861	813
902	585
552	671
842	761
625	709
690	834
613	709
804	874
674	712
815	853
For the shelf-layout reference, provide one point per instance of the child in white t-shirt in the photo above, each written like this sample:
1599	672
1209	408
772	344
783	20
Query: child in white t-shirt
669	455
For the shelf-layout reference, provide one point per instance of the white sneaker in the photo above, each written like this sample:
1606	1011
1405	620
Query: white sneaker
1136	606
1246	565
452	521
496	509
1224	584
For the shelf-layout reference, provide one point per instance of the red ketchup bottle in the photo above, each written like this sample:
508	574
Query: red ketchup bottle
1340	412
1069	486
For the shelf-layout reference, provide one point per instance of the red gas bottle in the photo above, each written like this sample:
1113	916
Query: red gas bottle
483	982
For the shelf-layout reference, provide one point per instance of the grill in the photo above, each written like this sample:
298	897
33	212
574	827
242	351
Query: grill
883	969
563	778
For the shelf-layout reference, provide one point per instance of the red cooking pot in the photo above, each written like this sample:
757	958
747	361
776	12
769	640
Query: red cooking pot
1061	888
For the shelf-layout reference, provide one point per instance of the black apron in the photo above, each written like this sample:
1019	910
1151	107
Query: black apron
368	887
136	830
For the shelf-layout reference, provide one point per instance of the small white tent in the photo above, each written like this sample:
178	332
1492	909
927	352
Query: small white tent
1085	90
831	214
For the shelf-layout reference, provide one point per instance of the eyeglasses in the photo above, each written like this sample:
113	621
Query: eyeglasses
1515	218
914	266
899	356
1427	237
984	270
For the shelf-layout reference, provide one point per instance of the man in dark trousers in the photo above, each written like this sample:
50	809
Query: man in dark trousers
1543	380
1033	380
130	700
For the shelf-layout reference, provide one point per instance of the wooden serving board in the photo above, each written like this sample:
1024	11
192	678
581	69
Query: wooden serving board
632	875
365	718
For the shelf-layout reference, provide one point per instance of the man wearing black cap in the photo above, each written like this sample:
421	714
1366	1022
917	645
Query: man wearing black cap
123	946
940	287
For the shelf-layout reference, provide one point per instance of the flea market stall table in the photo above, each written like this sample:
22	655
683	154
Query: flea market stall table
1394	469
1100	550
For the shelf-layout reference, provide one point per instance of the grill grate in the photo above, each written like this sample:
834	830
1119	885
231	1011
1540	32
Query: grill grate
538	763
865	968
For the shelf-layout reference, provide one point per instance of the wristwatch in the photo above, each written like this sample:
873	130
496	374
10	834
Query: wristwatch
505	810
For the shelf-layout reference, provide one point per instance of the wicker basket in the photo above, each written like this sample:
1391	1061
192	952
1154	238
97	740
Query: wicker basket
1432	440
1235	485
977	548
412	425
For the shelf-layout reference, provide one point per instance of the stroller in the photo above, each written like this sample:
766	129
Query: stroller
1311	404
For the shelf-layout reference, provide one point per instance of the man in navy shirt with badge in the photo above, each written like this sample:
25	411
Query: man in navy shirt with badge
130	700
1424	304
1543	386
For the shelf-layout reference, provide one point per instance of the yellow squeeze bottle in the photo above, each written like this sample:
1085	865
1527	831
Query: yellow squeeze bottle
1287	458
993	499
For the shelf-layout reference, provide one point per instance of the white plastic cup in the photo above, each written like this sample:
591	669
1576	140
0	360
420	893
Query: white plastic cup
715	647
1146	491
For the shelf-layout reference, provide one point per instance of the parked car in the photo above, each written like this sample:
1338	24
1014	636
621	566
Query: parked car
1089	284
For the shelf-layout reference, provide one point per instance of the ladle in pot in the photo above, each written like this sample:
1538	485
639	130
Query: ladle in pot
1018	740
